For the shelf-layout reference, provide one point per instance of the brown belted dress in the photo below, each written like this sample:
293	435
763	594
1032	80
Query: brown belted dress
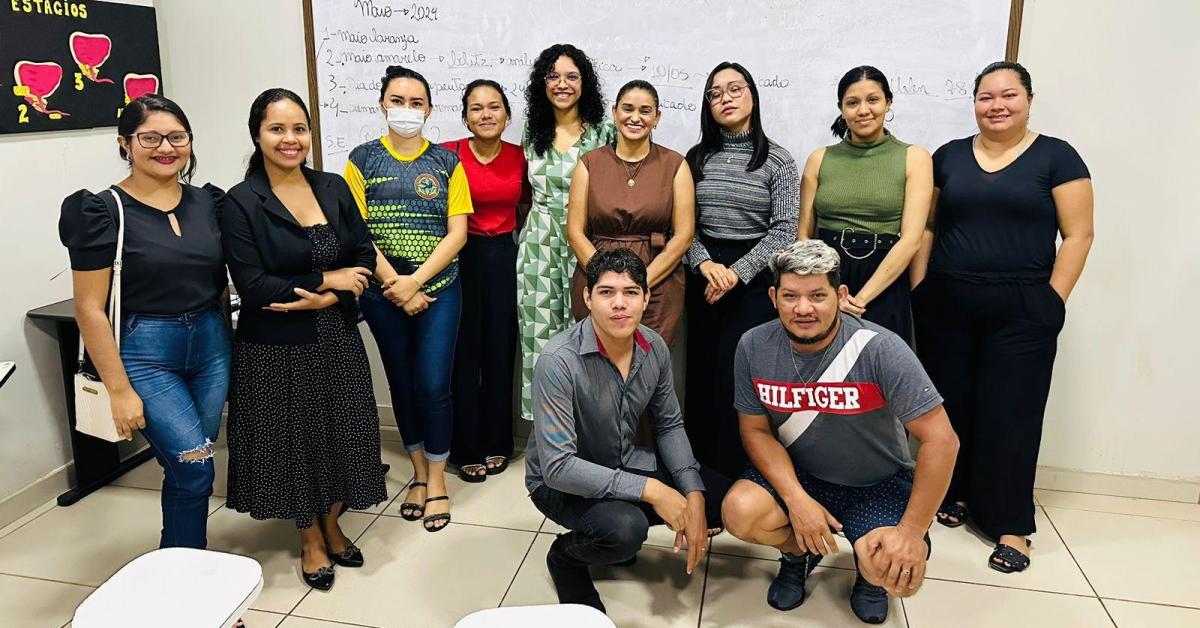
638	218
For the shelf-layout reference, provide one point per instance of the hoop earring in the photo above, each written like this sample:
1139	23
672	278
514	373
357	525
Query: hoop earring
887	119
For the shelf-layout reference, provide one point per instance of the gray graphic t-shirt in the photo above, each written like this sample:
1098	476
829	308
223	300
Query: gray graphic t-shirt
846	425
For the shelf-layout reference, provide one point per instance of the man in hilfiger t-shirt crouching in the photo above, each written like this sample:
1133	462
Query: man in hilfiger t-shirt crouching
824	399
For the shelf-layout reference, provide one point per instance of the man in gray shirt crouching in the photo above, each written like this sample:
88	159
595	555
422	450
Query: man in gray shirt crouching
824	401
582	469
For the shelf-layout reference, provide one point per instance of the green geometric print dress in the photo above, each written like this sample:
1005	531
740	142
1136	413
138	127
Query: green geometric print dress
545	261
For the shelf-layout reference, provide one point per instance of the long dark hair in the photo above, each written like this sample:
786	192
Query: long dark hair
1022	74
840	127
538	110
257	110
135	113
711	139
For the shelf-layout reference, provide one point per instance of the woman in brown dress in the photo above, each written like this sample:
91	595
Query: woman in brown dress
636	195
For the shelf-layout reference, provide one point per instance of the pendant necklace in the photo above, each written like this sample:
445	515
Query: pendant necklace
796	367
634	173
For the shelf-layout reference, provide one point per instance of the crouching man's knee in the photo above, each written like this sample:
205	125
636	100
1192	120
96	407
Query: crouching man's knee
745	511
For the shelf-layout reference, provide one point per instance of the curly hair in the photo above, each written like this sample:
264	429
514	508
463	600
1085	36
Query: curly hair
538	110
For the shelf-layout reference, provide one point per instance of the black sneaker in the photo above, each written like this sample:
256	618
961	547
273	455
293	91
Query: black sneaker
572	581
869	602
787	589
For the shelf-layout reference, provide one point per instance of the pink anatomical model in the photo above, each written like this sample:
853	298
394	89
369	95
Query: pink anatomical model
36	82
90	52
139	85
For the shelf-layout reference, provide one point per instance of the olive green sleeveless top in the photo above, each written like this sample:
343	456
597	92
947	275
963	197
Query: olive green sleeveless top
861	187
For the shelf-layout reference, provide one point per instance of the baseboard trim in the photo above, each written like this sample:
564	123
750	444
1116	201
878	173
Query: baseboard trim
1141	487
37	493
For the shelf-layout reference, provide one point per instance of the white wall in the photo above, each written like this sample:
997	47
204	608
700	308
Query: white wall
1112	80
36	171
1116	79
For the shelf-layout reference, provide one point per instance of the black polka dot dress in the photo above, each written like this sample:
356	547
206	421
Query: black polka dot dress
303	426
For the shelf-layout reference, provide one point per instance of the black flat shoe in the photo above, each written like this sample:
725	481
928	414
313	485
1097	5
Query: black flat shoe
352	557
321	579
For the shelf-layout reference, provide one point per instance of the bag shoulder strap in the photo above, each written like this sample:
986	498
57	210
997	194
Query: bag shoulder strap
114	291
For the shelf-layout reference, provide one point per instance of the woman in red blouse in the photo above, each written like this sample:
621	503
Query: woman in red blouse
487	333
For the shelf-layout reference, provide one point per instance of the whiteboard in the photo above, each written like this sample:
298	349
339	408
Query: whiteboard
797	51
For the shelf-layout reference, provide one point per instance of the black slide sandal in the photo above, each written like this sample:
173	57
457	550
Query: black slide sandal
1007	559
474	478
500	466
416	511
952	514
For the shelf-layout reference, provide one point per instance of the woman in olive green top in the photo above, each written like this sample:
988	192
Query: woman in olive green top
868	197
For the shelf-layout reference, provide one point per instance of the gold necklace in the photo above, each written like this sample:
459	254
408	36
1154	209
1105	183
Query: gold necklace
633	175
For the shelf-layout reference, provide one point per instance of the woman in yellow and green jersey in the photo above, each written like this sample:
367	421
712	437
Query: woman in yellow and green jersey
414	197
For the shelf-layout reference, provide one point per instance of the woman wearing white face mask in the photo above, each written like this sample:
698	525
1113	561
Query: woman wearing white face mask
415	199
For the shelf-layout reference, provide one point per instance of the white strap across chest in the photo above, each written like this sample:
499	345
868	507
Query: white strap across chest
799	422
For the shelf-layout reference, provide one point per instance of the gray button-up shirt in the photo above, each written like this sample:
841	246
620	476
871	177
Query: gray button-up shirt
585	417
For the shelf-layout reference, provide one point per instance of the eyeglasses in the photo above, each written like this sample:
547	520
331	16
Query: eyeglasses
153	139
554	77
734	90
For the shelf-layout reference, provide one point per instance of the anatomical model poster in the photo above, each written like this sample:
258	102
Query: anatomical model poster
67	64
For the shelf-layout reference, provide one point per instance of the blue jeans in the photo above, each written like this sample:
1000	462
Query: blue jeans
418	357
179	366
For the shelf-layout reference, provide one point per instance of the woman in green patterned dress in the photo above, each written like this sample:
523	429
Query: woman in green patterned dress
565	114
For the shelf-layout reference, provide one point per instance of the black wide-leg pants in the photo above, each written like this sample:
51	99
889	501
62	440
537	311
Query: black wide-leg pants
989	349
486	352
713	332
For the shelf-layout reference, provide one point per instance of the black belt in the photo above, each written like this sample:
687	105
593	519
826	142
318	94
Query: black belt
854	243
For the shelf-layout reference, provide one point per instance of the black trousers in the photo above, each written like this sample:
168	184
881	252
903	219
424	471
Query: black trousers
891	308
989	349
713	333
607	531
486	351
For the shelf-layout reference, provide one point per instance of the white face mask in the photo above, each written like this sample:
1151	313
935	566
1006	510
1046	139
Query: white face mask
406	122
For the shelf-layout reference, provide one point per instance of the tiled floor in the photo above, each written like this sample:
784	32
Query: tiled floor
1098	561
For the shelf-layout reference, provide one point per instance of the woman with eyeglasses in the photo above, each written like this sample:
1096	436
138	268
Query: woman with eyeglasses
170	375
565	119
868	197
747	195
635	195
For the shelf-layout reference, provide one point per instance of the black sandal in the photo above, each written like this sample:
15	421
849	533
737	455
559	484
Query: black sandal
1008	559
952	514
415	511
499	468
433	519
473	478
715	531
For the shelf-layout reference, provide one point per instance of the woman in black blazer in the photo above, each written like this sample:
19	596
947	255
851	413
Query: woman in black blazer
303	426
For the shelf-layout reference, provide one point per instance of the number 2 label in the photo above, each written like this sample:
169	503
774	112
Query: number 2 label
23	114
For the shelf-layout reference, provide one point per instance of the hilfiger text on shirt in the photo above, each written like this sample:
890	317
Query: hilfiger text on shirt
828	397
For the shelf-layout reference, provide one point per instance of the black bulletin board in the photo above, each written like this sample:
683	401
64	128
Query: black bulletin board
67	64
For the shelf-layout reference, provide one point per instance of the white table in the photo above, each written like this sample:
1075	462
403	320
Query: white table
549	616
178	587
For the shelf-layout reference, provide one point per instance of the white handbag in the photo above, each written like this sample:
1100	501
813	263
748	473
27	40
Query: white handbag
93	409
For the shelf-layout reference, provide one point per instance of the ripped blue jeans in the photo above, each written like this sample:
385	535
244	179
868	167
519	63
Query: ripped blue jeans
179	366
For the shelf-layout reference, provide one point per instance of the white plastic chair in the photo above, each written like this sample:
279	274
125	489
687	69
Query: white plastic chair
178	587
548	616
